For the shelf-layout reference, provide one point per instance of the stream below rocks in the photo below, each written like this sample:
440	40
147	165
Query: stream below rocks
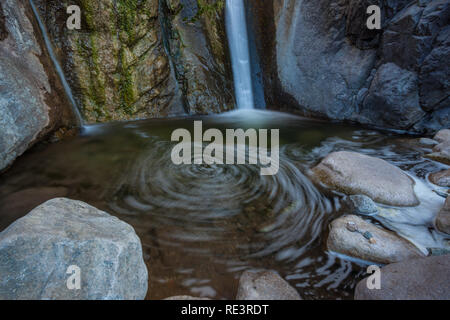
201	226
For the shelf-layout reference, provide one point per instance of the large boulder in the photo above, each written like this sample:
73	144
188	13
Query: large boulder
37	251
355	173
265	285
443	217
415	279
385	246
327	63
32	100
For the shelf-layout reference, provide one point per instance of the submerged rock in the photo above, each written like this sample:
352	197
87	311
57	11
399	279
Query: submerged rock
443	217
441	178
37	250
386	246
427	142
265	285
355	173
415	279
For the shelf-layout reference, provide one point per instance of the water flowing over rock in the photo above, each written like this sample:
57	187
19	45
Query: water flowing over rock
354	173
32	100
329	64
265	285
387	247
143	59
37	250
416	279
443	217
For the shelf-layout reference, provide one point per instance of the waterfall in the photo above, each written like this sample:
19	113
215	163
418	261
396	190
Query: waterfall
240	57
56	64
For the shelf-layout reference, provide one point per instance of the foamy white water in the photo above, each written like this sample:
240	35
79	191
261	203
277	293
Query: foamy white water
240	57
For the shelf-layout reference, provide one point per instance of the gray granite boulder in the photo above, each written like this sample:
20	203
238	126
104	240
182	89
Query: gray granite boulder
355	173
385	247
416	279
32	100
265	285
43	253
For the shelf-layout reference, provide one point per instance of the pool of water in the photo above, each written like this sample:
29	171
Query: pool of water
201	226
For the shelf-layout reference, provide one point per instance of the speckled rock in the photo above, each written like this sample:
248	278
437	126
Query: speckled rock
441	178
415	279
361	204
265	285
32	101
355	173
442	135
387	247
37	250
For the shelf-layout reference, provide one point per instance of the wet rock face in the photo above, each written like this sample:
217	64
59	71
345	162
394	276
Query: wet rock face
354	173
393	98
386	246
265	285
416	279
140	59
32	101
329	64
37	250
443	218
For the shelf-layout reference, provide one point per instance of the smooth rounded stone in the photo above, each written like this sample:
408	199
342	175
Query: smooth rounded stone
185	298
355	173
387	247
416	279
37	250
265	285
443	217
361	204
441	178
440	156
442	135
427	142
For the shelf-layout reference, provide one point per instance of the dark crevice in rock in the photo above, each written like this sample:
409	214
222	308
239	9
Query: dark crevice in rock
3	31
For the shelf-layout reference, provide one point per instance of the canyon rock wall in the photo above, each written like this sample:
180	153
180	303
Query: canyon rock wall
143	59
32	99
326	63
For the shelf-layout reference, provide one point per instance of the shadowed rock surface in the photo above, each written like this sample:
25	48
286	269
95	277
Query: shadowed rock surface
32	101
387	248
265	285
355	173
416	279
329	64
443	217
36	251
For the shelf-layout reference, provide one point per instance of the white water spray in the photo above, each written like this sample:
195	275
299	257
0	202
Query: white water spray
56	64
240	57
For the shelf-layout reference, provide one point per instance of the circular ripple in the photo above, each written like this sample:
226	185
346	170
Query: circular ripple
228	209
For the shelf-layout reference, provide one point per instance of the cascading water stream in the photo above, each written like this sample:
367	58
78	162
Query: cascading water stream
56	64
240	55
